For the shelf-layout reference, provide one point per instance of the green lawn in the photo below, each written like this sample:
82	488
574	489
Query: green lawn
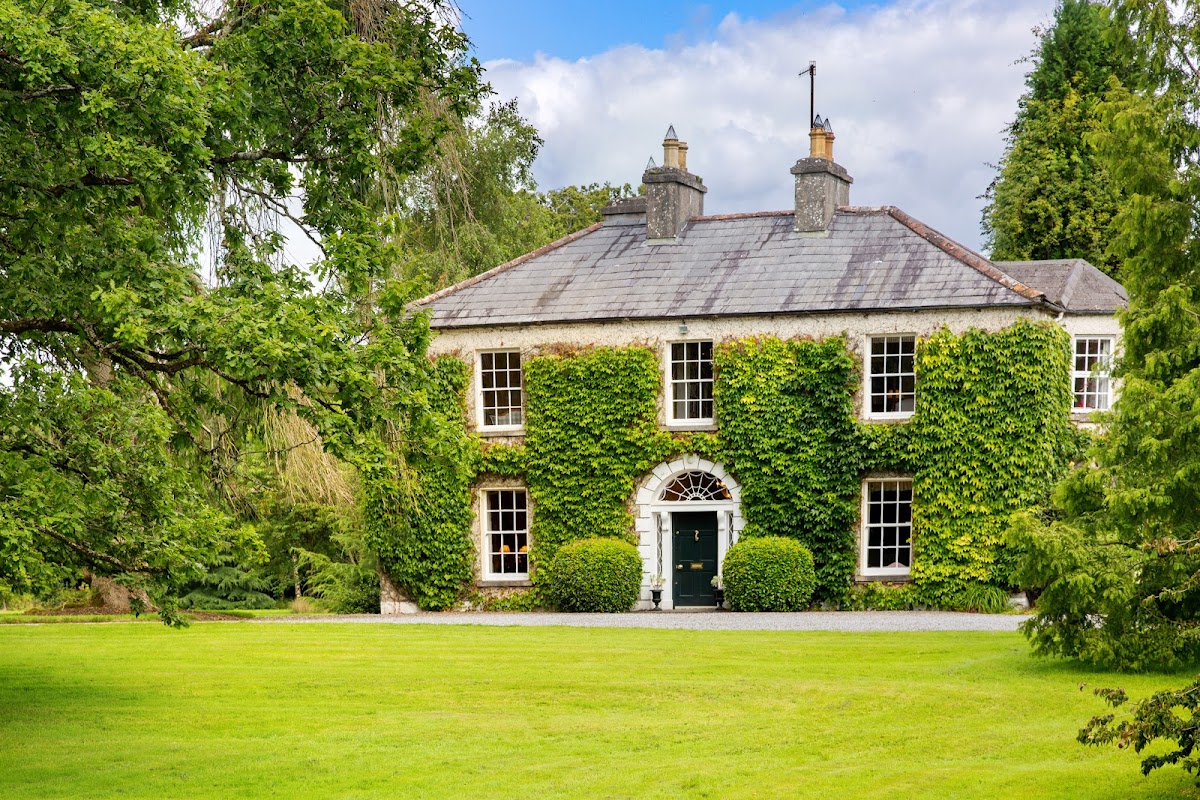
381	711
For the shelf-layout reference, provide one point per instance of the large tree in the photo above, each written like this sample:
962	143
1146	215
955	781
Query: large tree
1052	197
1121	564
129	129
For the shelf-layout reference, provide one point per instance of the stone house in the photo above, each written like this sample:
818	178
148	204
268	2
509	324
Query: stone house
657	273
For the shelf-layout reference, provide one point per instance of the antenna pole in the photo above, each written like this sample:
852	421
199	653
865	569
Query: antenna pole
812	91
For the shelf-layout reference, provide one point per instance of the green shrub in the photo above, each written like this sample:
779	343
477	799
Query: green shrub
768	573
882	597
602	574
979	597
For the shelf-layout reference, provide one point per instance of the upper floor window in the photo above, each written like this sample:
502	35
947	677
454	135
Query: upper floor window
891	377
506	533
691	382
887	527
1092	382
501	399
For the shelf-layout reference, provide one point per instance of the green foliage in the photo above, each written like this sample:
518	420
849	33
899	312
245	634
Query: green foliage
1093	604
991	435
576	207
228	586
789	435
125	136
1120	560
1053	197
882	597
88	480
591	432
418	503
1169	715
597	574
515	600
981	598
768	573
345	586
471	207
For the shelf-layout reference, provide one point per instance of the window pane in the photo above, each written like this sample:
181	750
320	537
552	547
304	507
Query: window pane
888	525
500	385
507	533
691	378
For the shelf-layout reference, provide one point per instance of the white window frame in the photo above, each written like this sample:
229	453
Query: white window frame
865	530
481	412
1092	374
670	382
486	530
868	374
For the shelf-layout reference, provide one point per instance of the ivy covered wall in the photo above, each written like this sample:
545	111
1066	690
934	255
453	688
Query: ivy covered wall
990	436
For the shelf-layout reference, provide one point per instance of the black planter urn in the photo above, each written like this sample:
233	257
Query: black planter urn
719	596
656	596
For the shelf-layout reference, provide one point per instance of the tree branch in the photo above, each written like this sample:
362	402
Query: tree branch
40	324
46	92
265	154
89	179
94	556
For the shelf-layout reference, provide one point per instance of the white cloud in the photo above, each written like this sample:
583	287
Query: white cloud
918	91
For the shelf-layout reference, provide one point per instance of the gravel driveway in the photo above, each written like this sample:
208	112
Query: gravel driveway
848	621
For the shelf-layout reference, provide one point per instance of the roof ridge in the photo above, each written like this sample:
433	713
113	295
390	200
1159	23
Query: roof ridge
743	215
963	254
1071	283
506	266
865	209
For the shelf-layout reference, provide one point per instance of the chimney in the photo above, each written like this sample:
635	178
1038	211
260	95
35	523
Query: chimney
821	184
673	195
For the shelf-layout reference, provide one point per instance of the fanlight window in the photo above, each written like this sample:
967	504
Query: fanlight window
695	486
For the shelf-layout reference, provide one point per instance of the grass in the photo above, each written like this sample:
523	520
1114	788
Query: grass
22	618
239	710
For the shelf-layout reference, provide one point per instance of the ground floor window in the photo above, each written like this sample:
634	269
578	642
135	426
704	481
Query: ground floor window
506	533
887	526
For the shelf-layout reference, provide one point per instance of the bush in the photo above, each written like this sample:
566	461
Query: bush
882	597
596	575
768	573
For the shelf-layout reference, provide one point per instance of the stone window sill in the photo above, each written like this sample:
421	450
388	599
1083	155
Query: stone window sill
860	579
498	583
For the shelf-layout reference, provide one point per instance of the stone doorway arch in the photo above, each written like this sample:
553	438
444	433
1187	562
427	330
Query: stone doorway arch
687	484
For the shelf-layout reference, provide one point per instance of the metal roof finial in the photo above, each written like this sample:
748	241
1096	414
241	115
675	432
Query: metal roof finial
671	133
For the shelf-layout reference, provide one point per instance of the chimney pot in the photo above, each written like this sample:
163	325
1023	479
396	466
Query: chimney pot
816	142
673	195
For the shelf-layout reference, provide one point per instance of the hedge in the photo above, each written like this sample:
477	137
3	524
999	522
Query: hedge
598	574
769	573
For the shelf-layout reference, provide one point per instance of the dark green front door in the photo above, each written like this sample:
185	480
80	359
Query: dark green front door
695	548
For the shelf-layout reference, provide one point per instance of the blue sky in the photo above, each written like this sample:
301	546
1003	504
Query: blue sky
919	91
519	29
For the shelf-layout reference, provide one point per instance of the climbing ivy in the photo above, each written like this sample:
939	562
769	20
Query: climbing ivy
419	507
788	435
990	436
591	431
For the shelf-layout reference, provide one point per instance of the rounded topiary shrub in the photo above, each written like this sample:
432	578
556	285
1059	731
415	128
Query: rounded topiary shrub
768	573
595	575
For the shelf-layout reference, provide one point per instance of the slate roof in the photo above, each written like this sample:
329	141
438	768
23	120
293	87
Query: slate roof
745	264
1072	283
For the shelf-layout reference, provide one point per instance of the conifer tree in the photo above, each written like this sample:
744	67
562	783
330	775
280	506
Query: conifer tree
1052	197
1121	567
